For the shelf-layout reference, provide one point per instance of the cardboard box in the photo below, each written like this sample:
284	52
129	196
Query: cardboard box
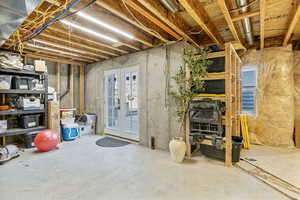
40	66
54	116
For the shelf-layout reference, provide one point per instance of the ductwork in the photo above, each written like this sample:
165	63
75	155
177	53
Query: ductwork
171	5
246	22
12	15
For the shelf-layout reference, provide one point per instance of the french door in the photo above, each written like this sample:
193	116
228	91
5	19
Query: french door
121	103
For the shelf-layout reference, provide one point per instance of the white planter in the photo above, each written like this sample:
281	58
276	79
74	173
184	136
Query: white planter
177	149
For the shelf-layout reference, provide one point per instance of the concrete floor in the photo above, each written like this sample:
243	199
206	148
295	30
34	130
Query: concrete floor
81	170
281	162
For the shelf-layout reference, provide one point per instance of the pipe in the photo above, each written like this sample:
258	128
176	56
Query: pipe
68	83
170	5
246	22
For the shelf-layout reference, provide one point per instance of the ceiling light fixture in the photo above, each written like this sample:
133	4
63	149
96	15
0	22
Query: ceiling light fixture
50	49
89	31
59	46
97	21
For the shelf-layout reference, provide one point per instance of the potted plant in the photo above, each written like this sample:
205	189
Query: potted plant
196	64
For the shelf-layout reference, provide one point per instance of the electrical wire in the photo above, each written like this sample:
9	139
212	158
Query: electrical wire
57	18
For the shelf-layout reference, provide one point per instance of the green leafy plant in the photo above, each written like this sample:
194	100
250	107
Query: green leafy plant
196	64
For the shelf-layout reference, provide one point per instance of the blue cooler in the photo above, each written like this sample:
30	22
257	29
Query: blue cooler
70	132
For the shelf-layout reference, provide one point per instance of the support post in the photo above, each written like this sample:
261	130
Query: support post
81	90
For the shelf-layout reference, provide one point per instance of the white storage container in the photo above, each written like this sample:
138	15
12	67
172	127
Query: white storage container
5	82
3	126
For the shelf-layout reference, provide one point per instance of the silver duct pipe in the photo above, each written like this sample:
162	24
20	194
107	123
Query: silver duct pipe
170	5
246	22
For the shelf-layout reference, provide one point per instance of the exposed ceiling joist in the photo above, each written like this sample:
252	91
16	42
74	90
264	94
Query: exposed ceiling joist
79	45
137	37
224	9
172	20
292	26
86	39
81	58
262	6
201	17
115	9
50	58
246	15
67	48
136	6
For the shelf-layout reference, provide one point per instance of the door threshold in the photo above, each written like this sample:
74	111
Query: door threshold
122	138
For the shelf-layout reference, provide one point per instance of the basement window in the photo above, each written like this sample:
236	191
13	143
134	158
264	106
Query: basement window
249	90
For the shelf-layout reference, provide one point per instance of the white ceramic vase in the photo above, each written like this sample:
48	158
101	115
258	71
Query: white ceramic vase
177	149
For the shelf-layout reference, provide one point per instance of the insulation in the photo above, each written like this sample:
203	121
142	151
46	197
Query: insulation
297	97
274	123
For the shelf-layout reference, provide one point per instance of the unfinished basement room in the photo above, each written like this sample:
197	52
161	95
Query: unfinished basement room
150	99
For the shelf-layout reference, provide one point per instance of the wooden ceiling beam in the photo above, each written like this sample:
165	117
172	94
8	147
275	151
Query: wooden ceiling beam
262	6
81	58
224	9
292	26
50	58
57	30
77	44
114	8
120	42
69	49
173	20
200	16
246	15
97	43
144	12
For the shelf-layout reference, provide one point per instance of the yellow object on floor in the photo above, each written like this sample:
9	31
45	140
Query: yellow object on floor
245	132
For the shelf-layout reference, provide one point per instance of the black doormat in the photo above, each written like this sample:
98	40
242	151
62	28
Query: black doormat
111	142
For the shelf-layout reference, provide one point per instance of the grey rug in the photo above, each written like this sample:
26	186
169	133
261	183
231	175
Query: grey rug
111	142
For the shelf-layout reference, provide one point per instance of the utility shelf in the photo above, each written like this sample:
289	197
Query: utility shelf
19	131
20	72
16	91
215	76
221	97
20	112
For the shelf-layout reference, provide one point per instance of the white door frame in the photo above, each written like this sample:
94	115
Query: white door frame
120	132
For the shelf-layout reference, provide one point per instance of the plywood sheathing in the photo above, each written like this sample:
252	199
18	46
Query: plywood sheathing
274	123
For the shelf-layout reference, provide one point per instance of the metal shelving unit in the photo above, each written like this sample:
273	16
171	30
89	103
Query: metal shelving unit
42	93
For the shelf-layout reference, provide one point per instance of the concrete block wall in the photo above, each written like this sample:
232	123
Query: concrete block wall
156	108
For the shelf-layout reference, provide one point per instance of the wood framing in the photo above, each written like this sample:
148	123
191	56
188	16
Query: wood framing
81	90
292	26
57	69
86	40
228	19
80	45
116	9
72	86
232	99
201	17
174	21
136	6
246	15
262	6
50	58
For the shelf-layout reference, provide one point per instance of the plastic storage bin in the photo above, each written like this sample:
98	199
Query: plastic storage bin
29	121
5	82
22	83
3	126
70	132
213	152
